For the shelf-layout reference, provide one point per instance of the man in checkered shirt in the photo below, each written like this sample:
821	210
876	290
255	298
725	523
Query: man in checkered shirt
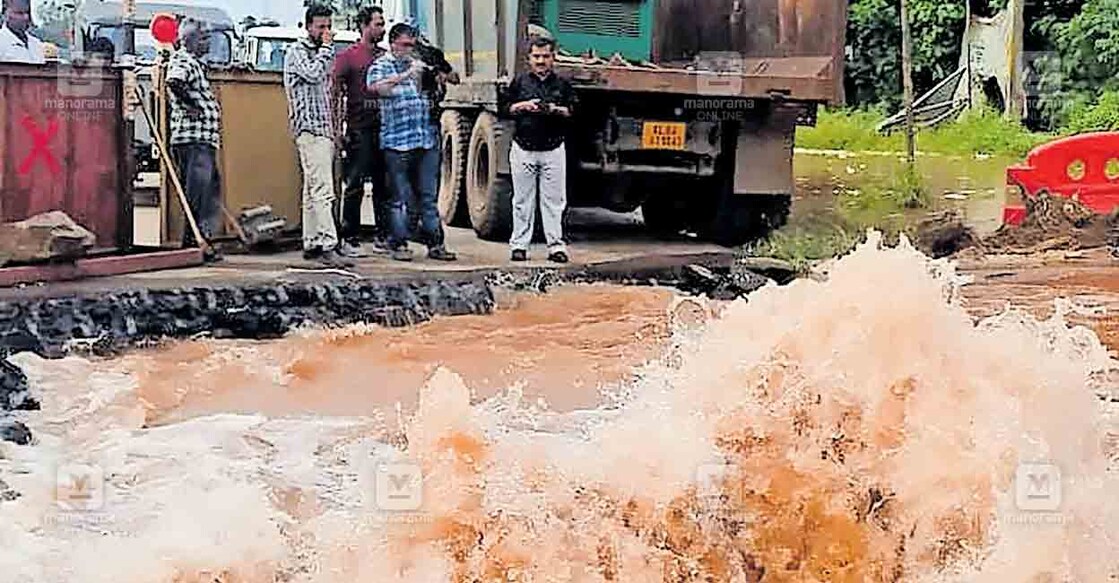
307	80
196	131
411	143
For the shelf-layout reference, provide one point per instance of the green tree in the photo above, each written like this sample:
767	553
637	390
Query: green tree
873	70
1082	60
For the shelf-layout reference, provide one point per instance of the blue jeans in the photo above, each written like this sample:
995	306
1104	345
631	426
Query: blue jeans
414	178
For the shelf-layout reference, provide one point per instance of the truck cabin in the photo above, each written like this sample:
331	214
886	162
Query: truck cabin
105	20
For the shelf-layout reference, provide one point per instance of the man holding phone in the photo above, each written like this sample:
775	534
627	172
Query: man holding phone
307	80
541	103
410	139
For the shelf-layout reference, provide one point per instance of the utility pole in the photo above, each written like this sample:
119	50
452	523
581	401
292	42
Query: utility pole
128	85
907	83
1015	99
967	54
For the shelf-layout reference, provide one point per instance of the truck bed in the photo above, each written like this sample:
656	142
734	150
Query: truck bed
763	48
801	78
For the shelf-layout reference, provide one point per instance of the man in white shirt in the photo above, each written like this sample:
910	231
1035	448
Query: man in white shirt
16	45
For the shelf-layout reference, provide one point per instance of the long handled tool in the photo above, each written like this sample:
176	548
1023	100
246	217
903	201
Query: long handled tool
202	243
236	226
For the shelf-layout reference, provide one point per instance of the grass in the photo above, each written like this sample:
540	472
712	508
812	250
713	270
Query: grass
886	204
976	132
893	203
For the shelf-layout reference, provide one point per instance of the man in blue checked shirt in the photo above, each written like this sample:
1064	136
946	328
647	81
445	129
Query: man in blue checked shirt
410	140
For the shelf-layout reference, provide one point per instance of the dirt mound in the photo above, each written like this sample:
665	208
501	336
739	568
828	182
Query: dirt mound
944	233
1053	223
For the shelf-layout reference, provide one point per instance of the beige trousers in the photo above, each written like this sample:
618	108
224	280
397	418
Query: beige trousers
316	156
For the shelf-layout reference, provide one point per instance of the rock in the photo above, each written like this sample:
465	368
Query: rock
14	392
735	283
7	494
112	321
778	270
747	280
52	235
15	432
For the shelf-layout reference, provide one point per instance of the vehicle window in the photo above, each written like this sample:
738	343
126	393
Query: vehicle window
270	55
221	45
221	49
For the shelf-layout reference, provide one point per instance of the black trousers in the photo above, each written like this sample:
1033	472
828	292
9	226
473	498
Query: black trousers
364	161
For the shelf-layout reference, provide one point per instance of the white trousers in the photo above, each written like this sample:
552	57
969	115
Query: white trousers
316	156
538	176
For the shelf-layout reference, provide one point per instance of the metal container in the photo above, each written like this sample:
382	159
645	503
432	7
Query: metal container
61	146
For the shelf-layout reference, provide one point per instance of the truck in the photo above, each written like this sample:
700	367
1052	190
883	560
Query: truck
687	108
104	19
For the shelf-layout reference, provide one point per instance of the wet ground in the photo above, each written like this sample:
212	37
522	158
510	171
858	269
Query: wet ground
972	186
824	395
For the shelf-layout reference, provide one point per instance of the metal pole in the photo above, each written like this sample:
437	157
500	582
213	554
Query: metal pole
129	83
907	83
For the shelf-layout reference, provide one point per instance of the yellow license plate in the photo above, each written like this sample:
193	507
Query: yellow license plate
663	135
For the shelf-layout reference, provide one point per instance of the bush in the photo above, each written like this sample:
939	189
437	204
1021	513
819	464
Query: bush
980	131
848	129
1101	115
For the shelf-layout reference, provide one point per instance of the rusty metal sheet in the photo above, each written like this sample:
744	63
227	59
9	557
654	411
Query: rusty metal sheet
62	145
687	30
258	161
803	78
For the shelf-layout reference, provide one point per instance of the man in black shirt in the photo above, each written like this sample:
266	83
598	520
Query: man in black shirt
541	104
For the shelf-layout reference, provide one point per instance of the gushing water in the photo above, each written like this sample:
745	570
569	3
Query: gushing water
860	429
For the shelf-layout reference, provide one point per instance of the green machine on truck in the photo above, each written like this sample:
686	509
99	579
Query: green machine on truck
688	108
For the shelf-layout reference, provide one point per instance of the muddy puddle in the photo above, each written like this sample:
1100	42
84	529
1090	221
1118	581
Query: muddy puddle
866	428
975	186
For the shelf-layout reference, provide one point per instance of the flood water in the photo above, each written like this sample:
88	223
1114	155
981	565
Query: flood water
865	428
973	186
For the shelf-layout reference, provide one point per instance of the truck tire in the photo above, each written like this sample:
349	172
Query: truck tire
744	218
489	195
454	140
664	217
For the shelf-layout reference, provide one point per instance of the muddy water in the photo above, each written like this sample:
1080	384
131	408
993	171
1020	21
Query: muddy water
973	186
866	428
564	346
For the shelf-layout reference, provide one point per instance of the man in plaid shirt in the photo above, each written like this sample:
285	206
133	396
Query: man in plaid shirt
411	143
307	75
196	131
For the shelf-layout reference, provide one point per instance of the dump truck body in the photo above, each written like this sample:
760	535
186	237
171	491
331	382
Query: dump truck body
688	108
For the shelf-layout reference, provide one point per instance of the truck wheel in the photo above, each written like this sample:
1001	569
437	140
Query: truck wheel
663	216
455	139
489	195
743	218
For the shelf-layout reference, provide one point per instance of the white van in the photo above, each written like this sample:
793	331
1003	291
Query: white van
262	47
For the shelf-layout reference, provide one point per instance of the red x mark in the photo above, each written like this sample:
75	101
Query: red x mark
40	146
